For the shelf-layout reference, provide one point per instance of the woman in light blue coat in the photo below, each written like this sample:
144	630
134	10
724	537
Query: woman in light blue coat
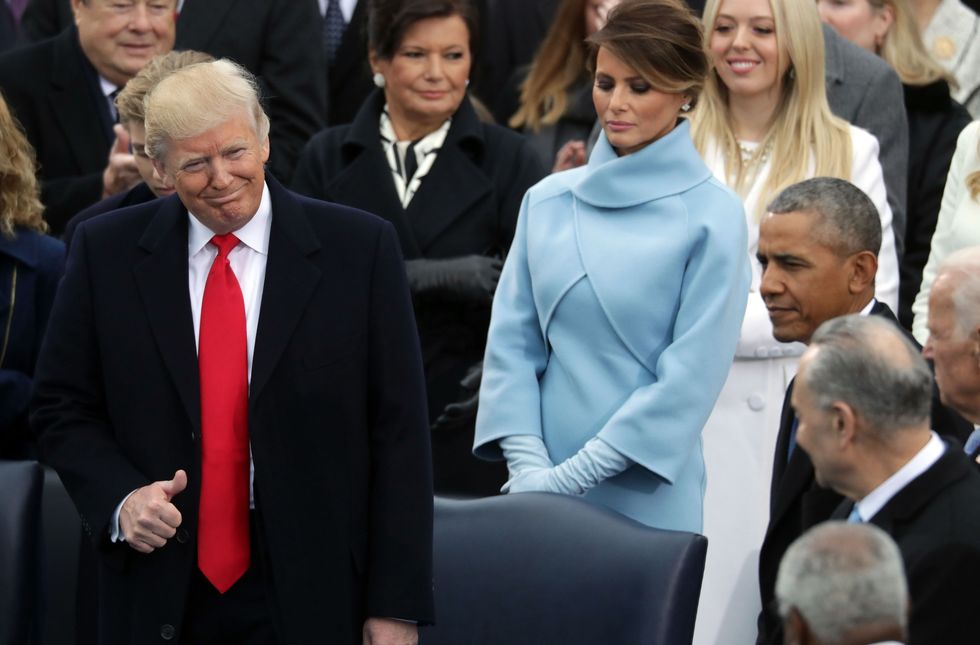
619	306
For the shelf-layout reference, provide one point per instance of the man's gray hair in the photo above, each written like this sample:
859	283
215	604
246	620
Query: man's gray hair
841	576
869	364
964	266
848	220
198	98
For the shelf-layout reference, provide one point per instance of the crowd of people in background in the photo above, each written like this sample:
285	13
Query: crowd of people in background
713	265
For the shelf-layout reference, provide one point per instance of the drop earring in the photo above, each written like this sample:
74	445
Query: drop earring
379	79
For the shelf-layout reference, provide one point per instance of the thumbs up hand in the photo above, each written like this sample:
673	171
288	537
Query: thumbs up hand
148	518
121	172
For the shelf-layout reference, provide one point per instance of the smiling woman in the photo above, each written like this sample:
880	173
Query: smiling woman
417	155
764	123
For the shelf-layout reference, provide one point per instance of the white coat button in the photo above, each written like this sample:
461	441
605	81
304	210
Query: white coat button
762	352
757	402
775	352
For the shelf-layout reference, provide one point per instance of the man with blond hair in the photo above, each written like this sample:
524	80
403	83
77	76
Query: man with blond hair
129	106
231	389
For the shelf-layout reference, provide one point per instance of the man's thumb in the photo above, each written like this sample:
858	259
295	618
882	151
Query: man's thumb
175	485
122	139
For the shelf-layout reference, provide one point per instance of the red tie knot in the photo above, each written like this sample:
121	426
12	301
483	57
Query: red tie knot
225	243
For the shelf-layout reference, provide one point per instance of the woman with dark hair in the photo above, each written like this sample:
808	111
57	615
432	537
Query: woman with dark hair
550	101
30	267
417	155
619	305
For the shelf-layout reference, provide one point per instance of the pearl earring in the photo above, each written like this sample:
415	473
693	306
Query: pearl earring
379	79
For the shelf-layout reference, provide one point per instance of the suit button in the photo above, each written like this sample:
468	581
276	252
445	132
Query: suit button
182	535
167	632
193	435
757	402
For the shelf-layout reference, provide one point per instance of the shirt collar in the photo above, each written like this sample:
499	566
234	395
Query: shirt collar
868	307
107	87
255	234
921	462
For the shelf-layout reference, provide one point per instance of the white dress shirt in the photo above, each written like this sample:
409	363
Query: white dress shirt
108	88
874	501
248	261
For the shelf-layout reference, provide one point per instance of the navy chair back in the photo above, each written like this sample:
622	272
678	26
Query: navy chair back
20	550
537	568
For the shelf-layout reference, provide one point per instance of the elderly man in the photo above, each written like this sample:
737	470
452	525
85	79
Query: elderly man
129	105
843	584
62	91
818	249
231	390
954	337
862	397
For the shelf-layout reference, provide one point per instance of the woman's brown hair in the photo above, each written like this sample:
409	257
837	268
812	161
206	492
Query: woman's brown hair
661	39
20	203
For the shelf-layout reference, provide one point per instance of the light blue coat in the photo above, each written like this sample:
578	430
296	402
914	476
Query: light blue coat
617	315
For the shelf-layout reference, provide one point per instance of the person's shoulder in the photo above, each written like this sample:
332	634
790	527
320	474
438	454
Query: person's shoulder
852	62
23	65
331	219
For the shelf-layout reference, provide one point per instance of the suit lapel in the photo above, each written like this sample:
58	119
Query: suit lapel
908	502
290	280
377	196
74	106
161	278
430	212
782	446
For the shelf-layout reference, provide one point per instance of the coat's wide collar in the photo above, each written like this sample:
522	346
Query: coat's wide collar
668	166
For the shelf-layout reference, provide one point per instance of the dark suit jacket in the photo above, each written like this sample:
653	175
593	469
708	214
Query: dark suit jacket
467	204
138	194
935	520
349	78
935	122
337	420
53	91
38	261
797	502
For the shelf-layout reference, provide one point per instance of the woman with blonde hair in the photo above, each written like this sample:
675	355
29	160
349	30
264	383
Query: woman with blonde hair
30	267
887	28
550	101
764	123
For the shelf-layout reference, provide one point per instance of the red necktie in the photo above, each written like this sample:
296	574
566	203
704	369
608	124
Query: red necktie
223	544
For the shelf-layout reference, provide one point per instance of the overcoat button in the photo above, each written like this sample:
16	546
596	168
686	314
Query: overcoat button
756	402
182	535
167	632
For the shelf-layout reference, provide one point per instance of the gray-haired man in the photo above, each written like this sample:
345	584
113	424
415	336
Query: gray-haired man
862	397
843	583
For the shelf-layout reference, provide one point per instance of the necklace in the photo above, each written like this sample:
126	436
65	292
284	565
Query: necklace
749	153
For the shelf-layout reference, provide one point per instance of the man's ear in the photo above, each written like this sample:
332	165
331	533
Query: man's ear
864	266
844	423
795	630
162	171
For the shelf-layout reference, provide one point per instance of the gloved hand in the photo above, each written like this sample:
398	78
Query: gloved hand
462	413
532	480
469	277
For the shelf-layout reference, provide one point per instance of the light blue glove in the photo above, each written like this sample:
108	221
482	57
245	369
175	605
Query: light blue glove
594	463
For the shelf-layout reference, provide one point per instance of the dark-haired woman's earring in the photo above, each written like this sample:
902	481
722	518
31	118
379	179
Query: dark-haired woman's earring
379	79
